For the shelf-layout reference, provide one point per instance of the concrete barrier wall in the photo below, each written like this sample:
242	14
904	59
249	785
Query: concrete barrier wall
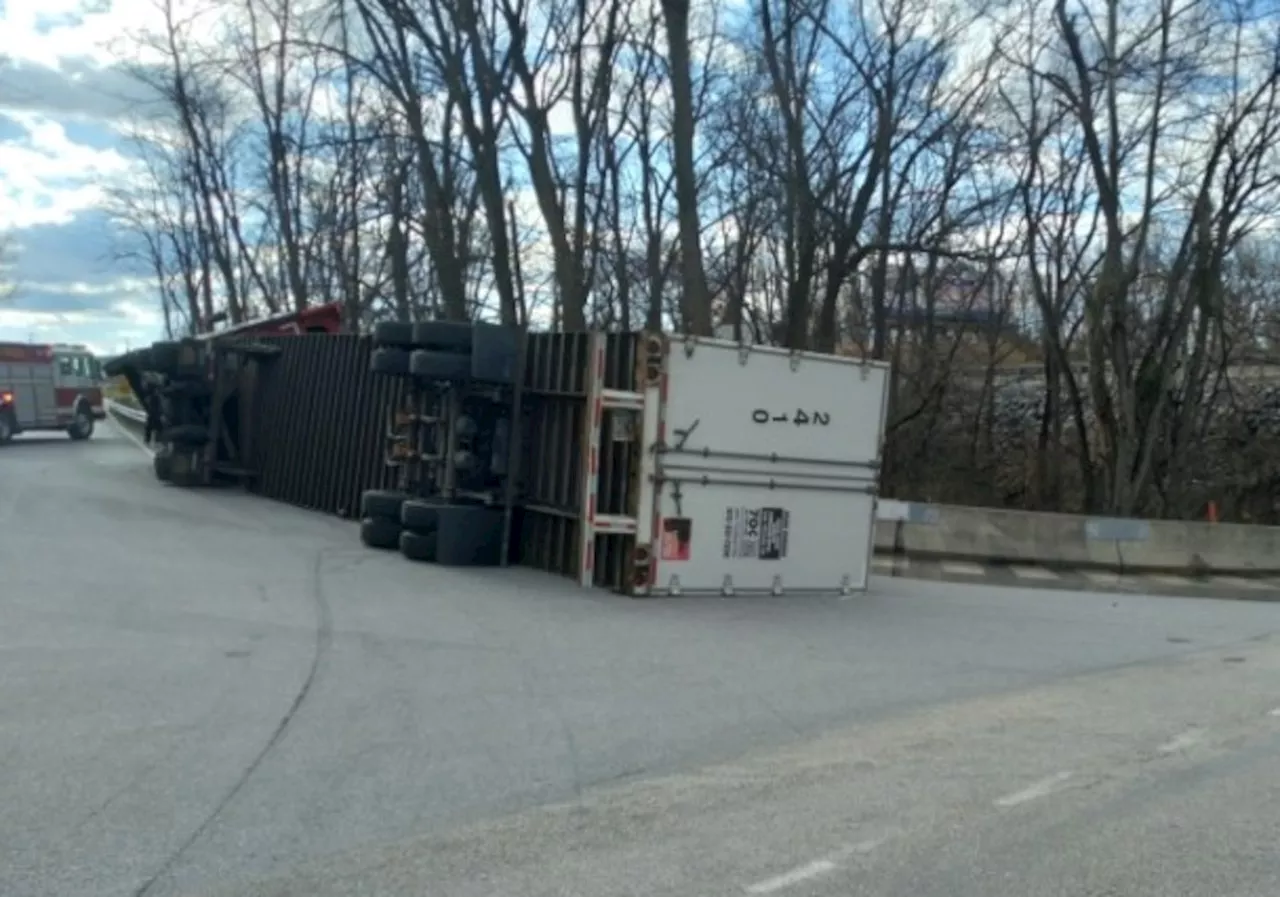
992	535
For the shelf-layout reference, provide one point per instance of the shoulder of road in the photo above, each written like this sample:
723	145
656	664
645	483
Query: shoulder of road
1263	588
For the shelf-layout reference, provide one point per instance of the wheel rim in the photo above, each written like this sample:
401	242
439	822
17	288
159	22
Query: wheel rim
84	423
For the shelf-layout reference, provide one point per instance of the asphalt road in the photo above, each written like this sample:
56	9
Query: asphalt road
202	693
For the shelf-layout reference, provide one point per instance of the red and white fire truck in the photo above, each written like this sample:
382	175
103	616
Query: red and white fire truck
49	387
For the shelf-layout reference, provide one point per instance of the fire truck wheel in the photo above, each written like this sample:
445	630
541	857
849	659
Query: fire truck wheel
384	503
188	435
6	427
418	546
393	333
449	336
440	365
379	532
162	464
81	423
389	361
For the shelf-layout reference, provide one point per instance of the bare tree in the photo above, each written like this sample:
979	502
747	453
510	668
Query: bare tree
1138	352
695	301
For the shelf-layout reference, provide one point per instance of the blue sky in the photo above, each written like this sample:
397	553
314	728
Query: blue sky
64	104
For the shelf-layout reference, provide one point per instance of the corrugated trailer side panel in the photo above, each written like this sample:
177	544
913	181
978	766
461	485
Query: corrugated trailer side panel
316	422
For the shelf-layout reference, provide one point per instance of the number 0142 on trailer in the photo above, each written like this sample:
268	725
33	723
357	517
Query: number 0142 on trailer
799	417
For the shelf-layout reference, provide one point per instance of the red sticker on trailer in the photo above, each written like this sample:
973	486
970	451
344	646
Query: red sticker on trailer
677	538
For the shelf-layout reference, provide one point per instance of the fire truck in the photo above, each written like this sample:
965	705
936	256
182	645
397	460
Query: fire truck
49	387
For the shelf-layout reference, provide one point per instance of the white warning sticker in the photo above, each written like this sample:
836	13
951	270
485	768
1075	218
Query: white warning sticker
759	533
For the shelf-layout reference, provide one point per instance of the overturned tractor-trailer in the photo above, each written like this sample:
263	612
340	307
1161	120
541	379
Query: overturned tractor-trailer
647	463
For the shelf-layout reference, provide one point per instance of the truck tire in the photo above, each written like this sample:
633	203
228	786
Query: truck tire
384	503
420	515
431	365
469	536
494	354
448	336
183	471
165	355
395	334
186	435
179	360
379	532
418	546
7	427
162	465
389	361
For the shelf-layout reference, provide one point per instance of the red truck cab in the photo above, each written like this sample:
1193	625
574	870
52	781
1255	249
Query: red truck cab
316	319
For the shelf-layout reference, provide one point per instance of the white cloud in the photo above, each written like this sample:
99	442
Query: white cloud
49	32
47	178
126	323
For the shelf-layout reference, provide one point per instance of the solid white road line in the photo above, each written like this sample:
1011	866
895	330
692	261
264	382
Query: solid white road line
1033	573
124	431
1042	788
794	877
962	568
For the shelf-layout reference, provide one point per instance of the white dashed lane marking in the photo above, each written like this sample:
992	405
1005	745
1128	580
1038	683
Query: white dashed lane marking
1042	788
1102	577
794	877
821	866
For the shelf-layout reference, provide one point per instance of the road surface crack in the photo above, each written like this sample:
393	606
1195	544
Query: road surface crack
323	638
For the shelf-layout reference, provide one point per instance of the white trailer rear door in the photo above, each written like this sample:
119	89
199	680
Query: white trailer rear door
767	477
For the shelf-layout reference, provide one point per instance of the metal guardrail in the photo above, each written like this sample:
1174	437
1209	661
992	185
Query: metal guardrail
133	415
